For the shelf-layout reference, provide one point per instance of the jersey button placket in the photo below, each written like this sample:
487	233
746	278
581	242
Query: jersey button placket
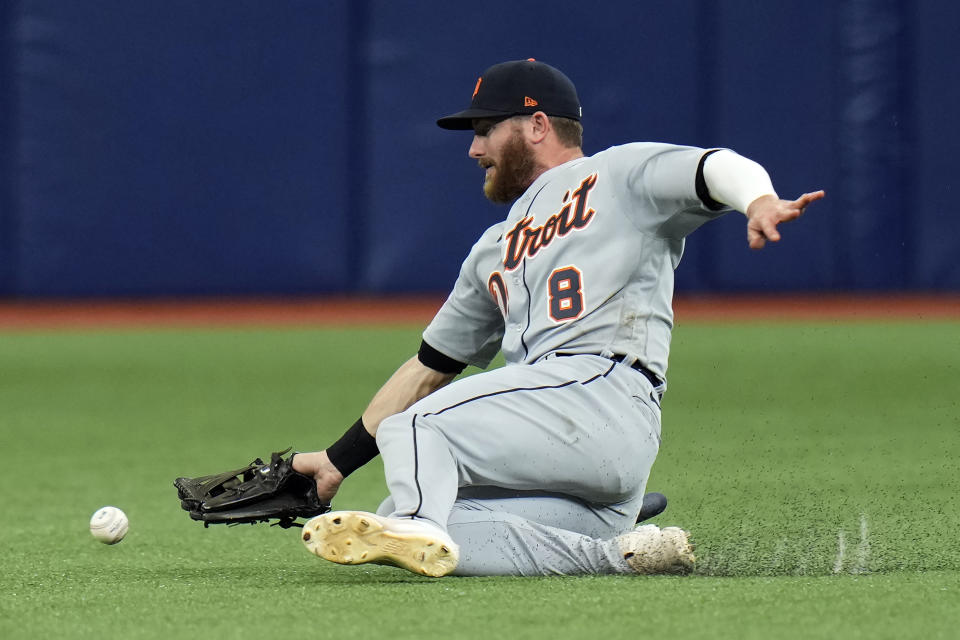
520	291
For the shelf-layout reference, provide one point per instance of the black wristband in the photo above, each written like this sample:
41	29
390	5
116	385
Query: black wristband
355	448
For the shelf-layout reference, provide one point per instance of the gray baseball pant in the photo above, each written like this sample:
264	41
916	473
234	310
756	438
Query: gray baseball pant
532	469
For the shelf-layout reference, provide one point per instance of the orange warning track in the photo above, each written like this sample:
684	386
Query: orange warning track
354	311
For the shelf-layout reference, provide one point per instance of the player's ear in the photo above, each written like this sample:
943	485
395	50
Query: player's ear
539	127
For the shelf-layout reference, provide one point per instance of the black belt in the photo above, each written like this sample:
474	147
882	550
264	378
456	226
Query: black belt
636	366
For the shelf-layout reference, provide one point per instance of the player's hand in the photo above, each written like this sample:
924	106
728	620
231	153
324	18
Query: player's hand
318	465
766	212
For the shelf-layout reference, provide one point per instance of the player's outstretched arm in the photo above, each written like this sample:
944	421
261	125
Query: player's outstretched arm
745	185
411	382
766	212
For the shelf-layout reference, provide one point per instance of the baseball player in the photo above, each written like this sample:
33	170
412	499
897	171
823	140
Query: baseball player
539	467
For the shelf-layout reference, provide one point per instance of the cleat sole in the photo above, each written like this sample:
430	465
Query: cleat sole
351	537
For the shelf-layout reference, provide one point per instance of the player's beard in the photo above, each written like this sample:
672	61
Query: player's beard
513	173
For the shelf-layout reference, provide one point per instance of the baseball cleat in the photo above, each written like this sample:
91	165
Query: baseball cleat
653	505
357	537
649	549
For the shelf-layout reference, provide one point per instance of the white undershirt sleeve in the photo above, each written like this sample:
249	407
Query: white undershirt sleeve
734	180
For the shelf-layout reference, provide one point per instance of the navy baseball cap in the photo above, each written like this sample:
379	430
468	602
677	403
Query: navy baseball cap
518	87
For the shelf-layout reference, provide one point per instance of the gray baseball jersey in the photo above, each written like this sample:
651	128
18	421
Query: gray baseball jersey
535	469
583	263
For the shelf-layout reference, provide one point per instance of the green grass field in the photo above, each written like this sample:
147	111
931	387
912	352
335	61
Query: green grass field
817	465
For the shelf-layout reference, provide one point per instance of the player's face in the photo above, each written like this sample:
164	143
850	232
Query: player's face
500	148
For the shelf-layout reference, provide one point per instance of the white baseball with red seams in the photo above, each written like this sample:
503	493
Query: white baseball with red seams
109	525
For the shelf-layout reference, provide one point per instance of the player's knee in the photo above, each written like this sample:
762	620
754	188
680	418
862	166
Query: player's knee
395	426
404	427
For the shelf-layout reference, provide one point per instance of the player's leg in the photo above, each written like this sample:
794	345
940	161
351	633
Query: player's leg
546	508
580	426
500	543
529	534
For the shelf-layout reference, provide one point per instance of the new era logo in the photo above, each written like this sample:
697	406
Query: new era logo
529	102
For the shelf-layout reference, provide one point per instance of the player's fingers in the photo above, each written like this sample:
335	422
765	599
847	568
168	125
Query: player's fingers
807	198
755	238
790	213
769	230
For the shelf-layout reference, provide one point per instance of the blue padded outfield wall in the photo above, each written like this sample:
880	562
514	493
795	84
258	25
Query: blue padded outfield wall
225	147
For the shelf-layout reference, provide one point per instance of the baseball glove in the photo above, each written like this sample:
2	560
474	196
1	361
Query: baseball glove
258	492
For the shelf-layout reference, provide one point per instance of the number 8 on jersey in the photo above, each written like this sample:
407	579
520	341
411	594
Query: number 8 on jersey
566	294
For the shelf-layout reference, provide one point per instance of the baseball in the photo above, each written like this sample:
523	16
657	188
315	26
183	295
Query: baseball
109	525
